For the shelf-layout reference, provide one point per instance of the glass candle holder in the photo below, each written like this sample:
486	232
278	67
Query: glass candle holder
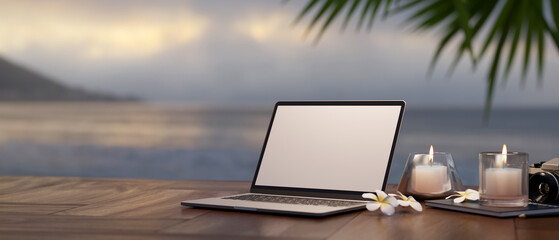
503	179
428	177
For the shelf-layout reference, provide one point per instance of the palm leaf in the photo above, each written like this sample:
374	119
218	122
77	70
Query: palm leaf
325	7
373	15
307	8
442	44
517	30
339	5
507	25
527	49
364	12
350	13
541	42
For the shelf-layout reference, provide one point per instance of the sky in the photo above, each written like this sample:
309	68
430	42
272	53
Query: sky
214	51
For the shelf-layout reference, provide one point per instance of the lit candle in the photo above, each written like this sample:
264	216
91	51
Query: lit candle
429	178
503	181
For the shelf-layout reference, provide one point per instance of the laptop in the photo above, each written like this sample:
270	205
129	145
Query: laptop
319	157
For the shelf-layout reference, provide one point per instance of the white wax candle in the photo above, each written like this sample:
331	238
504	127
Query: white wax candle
429	179
503	181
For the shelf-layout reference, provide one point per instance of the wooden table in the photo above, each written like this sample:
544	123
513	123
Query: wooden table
93	208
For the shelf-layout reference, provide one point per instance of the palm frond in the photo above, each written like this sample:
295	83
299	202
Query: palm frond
350	13
507	25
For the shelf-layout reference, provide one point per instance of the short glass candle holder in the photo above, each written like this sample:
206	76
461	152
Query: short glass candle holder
503	179
430	177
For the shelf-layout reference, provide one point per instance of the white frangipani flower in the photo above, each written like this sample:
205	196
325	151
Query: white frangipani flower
469	194
381	200
408	201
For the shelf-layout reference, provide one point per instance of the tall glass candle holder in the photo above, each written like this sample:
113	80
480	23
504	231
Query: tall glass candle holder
503	179
430	176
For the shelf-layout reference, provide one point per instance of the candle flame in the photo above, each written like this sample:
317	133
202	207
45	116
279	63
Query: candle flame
431	154
504	154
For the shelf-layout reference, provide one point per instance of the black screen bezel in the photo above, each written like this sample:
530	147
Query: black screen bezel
325	193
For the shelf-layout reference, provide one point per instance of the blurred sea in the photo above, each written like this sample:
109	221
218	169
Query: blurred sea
140	140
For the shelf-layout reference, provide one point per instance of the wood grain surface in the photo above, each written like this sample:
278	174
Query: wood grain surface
91	208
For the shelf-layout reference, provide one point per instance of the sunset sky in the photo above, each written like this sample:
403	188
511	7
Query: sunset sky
243	51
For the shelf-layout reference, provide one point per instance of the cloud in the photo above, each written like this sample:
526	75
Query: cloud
265	27
133	33
239	51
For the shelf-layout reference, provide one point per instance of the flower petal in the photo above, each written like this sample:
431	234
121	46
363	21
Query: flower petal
453	195
403	203
403	197
370	196
387	209
381	195
373	206
459	200
392	201
473	196
416	206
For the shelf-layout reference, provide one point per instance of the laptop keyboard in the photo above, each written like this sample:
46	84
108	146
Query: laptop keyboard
294	200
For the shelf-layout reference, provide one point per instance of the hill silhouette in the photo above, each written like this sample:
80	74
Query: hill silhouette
18	83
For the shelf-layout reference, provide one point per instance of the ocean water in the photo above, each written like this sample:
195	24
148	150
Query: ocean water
138	140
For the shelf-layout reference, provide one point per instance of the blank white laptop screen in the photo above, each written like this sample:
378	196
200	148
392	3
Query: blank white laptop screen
329	147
